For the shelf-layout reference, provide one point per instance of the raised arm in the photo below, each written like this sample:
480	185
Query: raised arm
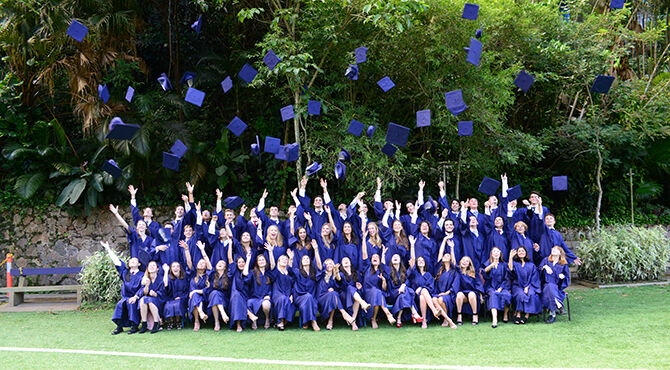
189	187
115	259
364	245
187	254
165	277
412	252
441	251
330	219
115	211
317	257
510	263
245	272
133	205
261	202
271	256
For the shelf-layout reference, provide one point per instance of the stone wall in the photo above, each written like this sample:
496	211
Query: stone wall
55	238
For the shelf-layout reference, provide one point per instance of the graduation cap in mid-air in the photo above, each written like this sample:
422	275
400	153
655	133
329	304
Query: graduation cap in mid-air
314	107
344	155
340	170
77	31
272	144
430	204
129	94
271	59
361	54
470	11
103	93
474	51
248	73
188	76
352	72
118	130
423	118
144	258
524	81
370	131
237	126
233	202
292	152
178	148
489	186
617	4
313	168
465	128
287	113
602	84
256	149
397	134
170	161
164	81
197	25
227	84
455	103
386	84
164	234
514	193
559	183
389	149
355	128
194	96
111	168
478	33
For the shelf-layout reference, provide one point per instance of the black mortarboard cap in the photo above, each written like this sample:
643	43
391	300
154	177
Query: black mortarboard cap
111	168
397	134
489	186
602	84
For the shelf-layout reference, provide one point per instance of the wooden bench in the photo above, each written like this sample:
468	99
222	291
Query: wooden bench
16	293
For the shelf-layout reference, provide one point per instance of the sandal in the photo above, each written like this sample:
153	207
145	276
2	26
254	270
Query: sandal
459	322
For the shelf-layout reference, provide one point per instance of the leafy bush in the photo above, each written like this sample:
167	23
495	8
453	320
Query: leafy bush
100	280
625	253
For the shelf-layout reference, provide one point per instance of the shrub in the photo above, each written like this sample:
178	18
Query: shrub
100	280
625	253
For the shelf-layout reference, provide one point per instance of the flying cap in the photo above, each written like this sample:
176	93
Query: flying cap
474	51
389	149
103	93
119	130
178	148
470	11
489	186
355	128
344	155
111	168
423	118
129	94
559	183
164	81
248	73
188	75
292	152
455	103
602	84
313	168
478	33
524	81
386	84
314	107
233	202
514	193
287	113
194	96
361	54
197	25
271	145
370	131
170	161
271	59
237	126
256	149
614	4
397	134
465	128
226	84
352	72
77	31
340	170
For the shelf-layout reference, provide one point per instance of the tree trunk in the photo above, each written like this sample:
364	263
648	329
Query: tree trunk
458	174
598	174
296	131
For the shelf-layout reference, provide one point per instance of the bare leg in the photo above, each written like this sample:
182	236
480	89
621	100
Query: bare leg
398	317
437	310
472	298
460	297
239	326
203	315
494	315
364	305
505	313
253	319
224	316
266	310
215	311
144	310
424	308
315	326
196	320
329	326
374	317
355	308
389	315
154	312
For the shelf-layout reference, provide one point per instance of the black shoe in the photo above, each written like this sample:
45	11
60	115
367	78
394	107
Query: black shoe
143	327
118	330
561	311
133	329
517	320
473	321
551	320
459	322
522	321
156	328
505	321
494	326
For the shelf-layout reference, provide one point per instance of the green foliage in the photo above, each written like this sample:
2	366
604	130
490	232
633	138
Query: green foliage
625	253
100	280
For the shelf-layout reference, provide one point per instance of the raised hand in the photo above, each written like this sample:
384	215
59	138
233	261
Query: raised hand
503	177
115	210
184	198
323	183
463	205
308	217
512	253
526	203
303	182
397	205
314	245
412	240
269	247
379	183
290	253
189	187
265	193
450	243
166	268
445	213
536	246
104	244
243	209
360	195
183	244
487	204
132	190
441	185
215	218
219	194
421	184
197	207
327	209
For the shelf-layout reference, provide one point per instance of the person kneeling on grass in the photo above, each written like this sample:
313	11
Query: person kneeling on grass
126	313
525	284
555	275
152	297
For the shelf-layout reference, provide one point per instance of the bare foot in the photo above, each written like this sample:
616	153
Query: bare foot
217	326
254	326
239	329
315	326
204	317
445	323
329	326
390	318
354	327
374	324
267	324
424	325
225	318
252	317
365	306
196	326
452	325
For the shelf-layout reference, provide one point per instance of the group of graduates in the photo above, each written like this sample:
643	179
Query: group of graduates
439	259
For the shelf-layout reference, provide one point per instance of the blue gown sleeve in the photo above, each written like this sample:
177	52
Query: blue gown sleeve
136	214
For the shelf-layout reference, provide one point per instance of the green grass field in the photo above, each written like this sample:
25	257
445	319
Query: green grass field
620	328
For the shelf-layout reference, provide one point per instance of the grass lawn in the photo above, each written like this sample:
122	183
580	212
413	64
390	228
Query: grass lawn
618	327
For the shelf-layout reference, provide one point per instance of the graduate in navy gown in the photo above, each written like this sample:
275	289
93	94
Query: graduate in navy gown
327	294
198	289
218	296
239	291
152	297
451	234
525	285
304	289
446	283
138	240
470	289
318	214
282	278
267	221
371	239
472	238
302	247
396	242
423	284
348	246
497	285
399	293
147	214
245	246
273	238
534	205
425	245
260	288
326	238
519	238
549	238
555	277
220	242
351	290
177	283
126	313
386	209
498	236
374	284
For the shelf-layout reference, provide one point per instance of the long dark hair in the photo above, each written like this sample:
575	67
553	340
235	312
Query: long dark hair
223	279
401	238
353	239
181	273
308	240
257	271
350	278
517	258
312	270
398	275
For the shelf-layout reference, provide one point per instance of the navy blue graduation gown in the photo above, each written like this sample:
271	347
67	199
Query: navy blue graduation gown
152	226
467	284
448	281
326	251
401	301
218	295
258	290
372	285
239	294
125	313
472	246
282	286
549	239
421	280
198	298
522	277
176	302
553	287
327	300
497	278
427	248
158	286
347	288
497	239
351	250
300	252
535	229
395	248
304	295
517	240
136	243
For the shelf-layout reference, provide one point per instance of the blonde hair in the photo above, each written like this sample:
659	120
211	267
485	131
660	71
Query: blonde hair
470	270
377	240
280	239
522	224
561	259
